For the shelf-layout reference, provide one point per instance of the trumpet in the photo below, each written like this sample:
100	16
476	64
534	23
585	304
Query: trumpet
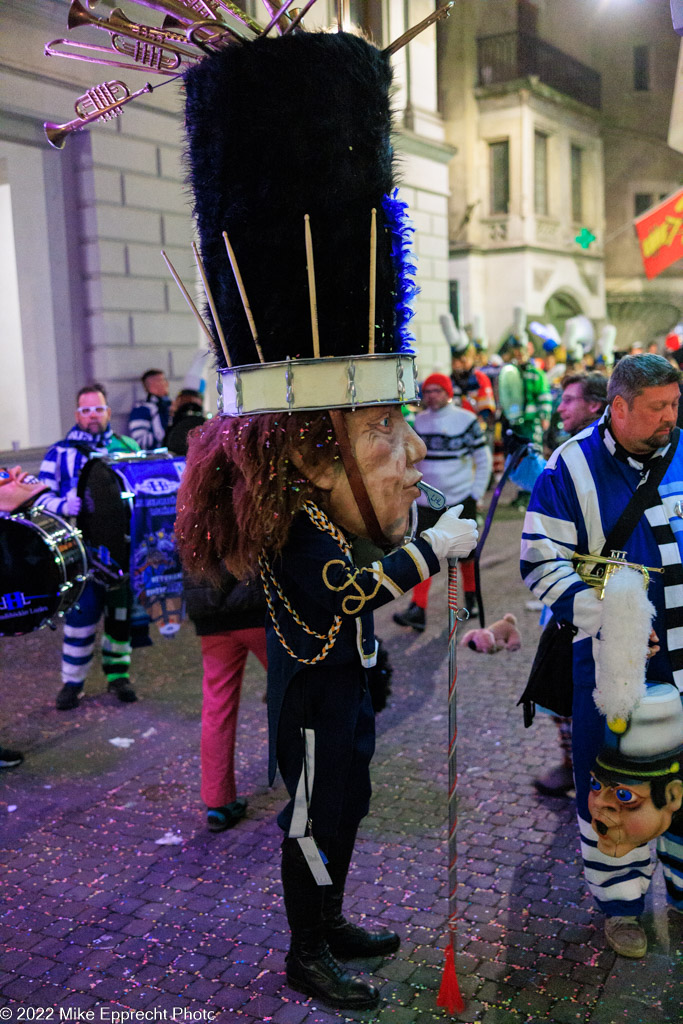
185	12
216	9
156	58
101	103
149	42
595	570
218	38
219	6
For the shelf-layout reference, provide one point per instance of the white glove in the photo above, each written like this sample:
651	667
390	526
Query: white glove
452	537
73	504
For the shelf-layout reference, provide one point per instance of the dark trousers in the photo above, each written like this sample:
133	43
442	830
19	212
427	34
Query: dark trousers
335	703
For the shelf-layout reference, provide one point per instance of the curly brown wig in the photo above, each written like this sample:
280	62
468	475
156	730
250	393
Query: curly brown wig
241	488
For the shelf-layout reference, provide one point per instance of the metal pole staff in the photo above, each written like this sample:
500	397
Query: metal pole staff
449	993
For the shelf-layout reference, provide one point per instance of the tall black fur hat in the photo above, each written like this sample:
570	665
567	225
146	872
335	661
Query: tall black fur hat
277	129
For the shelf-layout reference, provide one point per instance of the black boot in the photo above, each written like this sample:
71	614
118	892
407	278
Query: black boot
311	967
313	971
472	604
413	616
348	940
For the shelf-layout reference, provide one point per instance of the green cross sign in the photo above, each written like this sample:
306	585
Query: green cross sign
584	238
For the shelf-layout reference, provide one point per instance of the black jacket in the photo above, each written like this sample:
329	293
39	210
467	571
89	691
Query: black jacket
185	419
236	604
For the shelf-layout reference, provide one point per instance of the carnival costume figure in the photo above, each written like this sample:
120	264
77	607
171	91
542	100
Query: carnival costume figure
304	257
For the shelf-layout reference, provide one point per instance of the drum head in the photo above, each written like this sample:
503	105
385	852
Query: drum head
104	519
29	578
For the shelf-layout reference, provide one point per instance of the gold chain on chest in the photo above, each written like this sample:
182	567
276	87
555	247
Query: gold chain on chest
321	522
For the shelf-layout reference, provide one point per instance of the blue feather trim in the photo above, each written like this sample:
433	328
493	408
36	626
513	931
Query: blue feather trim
401	227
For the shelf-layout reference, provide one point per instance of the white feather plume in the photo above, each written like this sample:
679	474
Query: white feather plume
479	331
627	616
457	339
579	335
606	340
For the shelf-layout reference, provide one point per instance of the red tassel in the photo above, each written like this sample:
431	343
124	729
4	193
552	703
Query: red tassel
449	994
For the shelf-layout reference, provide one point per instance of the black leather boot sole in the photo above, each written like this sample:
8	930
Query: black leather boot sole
325	979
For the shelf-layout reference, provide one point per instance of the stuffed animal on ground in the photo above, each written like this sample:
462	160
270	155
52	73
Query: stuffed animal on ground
501	635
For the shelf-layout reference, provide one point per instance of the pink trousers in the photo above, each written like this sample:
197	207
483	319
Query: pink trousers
224	656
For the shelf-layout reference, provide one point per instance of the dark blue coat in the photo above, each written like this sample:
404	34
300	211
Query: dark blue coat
320	581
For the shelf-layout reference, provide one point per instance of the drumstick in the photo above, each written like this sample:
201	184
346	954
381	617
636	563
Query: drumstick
212	306
311	287
373	280
184	292
243	295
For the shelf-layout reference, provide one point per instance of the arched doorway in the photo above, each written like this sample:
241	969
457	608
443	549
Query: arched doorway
559	308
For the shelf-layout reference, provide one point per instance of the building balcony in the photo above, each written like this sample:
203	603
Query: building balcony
512	55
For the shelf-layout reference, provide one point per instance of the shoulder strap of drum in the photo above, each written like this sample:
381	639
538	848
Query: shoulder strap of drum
80	446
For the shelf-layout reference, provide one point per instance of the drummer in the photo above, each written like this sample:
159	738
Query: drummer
60	469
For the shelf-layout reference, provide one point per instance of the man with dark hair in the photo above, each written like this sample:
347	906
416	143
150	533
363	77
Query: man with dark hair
576	503
584	397
148	421
59	471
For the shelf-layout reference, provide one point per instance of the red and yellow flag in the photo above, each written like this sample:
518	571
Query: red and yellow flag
660	234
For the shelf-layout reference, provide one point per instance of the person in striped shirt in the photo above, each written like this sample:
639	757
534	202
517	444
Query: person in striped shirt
149	421
60	470
575	504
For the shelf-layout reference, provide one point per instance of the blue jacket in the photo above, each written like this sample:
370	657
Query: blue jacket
576	502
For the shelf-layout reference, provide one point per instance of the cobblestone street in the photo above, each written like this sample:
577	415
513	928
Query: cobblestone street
115	895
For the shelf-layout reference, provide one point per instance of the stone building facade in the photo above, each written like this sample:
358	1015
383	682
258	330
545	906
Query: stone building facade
559	139
85	293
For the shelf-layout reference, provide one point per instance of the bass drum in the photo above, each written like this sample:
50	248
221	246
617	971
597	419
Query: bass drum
104	521
43	569
128	505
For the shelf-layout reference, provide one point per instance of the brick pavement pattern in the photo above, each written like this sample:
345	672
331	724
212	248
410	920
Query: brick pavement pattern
115	895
